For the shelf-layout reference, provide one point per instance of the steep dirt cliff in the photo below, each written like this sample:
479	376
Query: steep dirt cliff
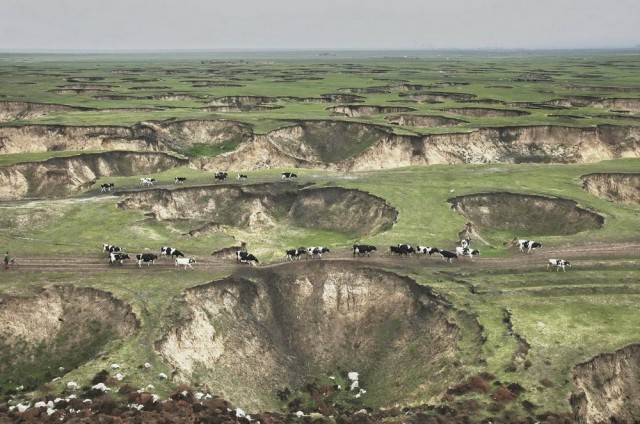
607	387
63	176
254	206
545	144
526	214
59	326
45	138
618	187
264	330
14	111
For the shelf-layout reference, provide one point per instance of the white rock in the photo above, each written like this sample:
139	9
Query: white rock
56	400
147	365
240	413
184	393
208	396
55	379
353	376
199	395
39	404
61	369
119	377
150	387
50	411
50	404
299	414
541	324
354	385
72	385
362	411
331	377
87	401
155	398
162	376
115	366
71	397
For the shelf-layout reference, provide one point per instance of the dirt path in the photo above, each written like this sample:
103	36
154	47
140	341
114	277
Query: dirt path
604	255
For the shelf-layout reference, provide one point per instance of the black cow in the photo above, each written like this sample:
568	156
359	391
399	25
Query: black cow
246	258
448	256
106	187
242	177
146	257
426	249
108	248
288	176
292	254
363	249
313	251
180	180
220	176
528	244
170	251
117	257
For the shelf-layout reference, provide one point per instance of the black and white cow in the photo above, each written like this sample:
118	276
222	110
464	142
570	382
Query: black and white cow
363	249
528	244
558	263
108	249
401	249
467	251
145	181
448	256
427	250
117	257
242	177
292	254
106	187
465	243
288	176
170	251
246	258
220	176
148	258
186	262
179	180
313	251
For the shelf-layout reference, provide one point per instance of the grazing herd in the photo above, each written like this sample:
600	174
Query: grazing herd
116	254
217	177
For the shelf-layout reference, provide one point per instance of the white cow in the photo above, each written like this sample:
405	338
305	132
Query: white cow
186	262
558	263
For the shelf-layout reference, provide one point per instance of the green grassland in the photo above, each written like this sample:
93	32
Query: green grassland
559	314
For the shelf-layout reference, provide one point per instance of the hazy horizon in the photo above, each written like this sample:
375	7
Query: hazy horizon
334	25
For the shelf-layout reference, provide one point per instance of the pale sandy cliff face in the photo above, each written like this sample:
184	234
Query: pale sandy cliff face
617	187
251	335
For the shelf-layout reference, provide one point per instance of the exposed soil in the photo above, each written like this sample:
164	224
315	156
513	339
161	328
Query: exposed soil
14	111
525	214
62	176
486	112
241	102
267	205
617	187
607	387
438	97
58	326
360	111
260	331
423	120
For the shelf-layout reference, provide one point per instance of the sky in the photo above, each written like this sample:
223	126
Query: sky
116	25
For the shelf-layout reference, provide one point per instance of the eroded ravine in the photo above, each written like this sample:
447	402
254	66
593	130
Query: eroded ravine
263	330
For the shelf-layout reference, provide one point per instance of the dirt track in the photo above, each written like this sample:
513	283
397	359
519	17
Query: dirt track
585	256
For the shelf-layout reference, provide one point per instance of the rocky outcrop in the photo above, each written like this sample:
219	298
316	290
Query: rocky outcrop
423	120
361	111
616	186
